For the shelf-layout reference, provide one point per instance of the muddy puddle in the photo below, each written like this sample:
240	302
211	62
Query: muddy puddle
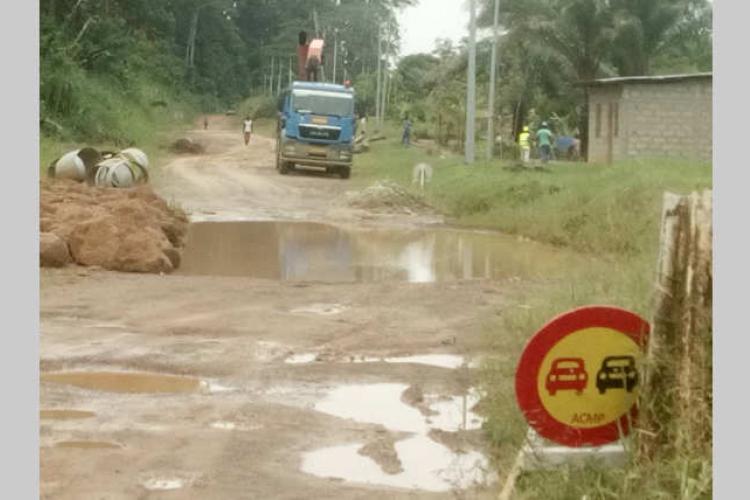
125	382
296	251
88	445
448	361
425	464
65	414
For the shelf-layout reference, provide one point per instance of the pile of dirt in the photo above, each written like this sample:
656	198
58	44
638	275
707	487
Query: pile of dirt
388	197
130	230
187	146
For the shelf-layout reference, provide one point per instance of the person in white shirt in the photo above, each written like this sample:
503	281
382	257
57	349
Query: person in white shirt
247	129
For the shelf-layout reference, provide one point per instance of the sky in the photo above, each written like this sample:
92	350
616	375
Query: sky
431	19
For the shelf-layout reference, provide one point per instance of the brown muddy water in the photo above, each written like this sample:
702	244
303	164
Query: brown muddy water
65	414
88	445
124	382
296	251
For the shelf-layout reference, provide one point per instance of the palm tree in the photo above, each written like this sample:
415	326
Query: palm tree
643	28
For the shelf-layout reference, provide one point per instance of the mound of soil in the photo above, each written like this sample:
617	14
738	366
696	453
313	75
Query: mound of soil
187	146
53	251
389	197
130	230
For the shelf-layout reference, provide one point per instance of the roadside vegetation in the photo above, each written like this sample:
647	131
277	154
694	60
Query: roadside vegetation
121	73
611	213
116	73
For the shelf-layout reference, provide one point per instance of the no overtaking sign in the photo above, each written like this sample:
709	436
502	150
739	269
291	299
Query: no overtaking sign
578	379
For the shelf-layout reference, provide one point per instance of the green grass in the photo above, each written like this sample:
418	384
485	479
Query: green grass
611	213
98	112
591	208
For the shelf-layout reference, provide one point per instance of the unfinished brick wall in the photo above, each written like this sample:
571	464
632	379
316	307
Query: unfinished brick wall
655	119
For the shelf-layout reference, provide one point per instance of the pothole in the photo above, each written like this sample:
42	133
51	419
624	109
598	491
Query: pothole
223	425
448	361
303	251
65	414
320	309
87	445
124	382
425	465
163	484
301	359
422	461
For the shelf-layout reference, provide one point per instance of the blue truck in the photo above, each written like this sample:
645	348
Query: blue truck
316	128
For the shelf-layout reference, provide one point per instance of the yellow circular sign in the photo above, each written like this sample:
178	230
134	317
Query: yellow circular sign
590	377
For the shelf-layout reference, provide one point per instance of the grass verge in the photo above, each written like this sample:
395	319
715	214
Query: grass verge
611	213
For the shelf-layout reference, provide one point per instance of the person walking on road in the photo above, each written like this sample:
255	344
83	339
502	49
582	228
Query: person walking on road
525	145
247	129
545	139
205	123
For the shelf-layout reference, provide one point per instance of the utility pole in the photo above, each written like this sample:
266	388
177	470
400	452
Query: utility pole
386	75
273	60
471	85
278	83
377	88
290	71
493	74
335	51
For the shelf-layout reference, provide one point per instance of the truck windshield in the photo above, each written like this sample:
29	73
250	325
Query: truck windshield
322	103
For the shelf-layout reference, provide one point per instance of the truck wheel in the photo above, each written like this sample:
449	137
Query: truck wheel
283	167
345	172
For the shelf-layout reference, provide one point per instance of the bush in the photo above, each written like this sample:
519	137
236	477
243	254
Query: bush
260	106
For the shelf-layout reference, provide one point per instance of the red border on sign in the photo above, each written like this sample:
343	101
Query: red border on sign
540	344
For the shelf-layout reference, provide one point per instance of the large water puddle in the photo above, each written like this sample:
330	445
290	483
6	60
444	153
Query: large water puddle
297	251
425	463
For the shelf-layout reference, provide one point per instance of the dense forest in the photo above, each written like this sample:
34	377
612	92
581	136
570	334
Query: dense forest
107	65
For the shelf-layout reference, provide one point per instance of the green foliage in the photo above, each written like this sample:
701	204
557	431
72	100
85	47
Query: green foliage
258	107
612	214
105	65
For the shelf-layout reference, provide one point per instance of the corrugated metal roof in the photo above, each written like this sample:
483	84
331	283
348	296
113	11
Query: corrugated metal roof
646	79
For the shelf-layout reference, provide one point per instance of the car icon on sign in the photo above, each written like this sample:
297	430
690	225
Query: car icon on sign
617	372
566	374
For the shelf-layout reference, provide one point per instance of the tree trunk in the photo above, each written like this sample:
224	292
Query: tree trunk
493	74
471	99
190	49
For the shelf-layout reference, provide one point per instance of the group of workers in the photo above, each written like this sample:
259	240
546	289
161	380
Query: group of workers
546	144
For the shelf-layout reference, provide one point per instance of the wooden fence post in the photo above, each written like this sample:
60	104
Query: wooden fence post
676	404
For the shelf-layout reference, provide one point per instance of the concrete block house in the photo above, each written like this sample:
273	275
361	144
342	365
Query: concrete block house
650	117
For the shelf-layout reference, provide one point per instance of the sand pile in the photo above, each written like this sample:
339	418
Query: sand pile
118	229
389	197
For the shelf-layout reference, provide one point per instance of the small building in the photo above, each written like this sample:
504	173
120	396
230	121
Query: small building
650	117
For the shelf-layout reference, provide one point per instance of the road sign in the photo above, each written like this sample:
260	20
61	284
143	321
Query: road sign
578	379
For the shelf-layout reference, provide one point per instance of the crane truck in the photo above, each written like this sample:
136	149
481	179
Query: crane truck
316	122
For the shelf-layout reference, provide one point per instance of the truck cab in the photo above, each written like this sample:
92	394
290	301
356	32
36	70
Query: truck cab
316	128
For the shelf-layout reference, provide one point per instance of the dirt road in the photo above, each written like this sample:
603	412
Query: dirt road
198	386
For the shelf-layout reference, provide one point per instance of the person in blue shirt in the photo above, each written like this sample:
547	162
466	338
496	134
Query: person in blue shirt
406	137
545	139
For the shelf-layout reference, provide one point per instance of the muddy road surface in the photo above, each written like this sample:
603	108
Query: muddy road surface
304	349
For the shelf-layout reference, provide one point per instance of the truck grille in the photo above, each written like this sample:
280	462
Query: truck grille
320	133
